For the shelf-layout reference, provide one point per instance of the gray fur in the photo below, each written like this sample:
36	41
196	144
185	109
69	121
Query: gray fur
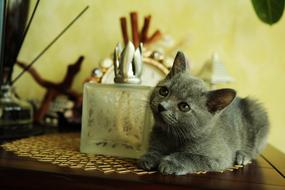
218	131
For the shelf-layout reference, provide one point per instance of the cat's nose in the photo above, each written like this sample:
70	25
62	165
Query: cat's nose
161	108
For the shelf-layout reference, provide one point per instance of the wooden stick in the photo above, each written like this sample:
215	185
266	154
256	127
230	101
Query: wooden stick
154	37
28	25
50	44
124	29
135	28
20	44
144	31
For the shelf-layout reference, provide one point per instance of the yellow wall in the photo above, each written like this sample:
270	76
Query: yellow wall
252	51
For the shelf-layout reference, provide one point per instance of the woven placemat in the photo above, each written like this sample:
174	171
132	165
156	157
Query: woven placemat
63	150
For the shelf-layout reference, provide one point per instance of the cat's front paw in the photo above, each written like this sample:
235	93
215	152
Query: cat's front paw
148	162
242	158
170	166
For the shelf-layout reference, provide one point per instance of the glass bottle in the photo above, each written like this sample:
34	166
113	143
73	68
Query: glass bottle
116	118
16	116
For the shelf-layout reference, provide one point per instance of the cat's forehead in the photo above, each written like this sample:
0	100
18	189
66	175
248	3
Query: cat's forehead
185	85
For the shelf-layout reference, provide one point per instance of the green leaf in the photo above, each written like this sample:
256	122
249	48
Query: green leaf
269	11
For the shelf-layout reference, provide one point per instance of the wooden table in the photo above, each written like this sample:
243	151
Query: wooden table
267	172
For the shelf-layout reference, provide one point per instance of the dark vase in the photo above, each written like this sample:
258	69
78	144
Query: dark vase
16	116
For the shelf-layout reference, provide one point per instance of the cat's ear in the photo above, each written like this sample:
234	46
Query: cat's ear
180	65
219	99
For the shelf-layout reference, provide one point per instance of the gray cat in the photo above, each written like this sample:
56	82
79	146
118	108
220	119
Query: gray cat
200	130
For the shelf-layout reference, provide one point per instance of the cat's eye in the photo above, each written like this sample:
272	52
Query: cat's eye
184	107
163	91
